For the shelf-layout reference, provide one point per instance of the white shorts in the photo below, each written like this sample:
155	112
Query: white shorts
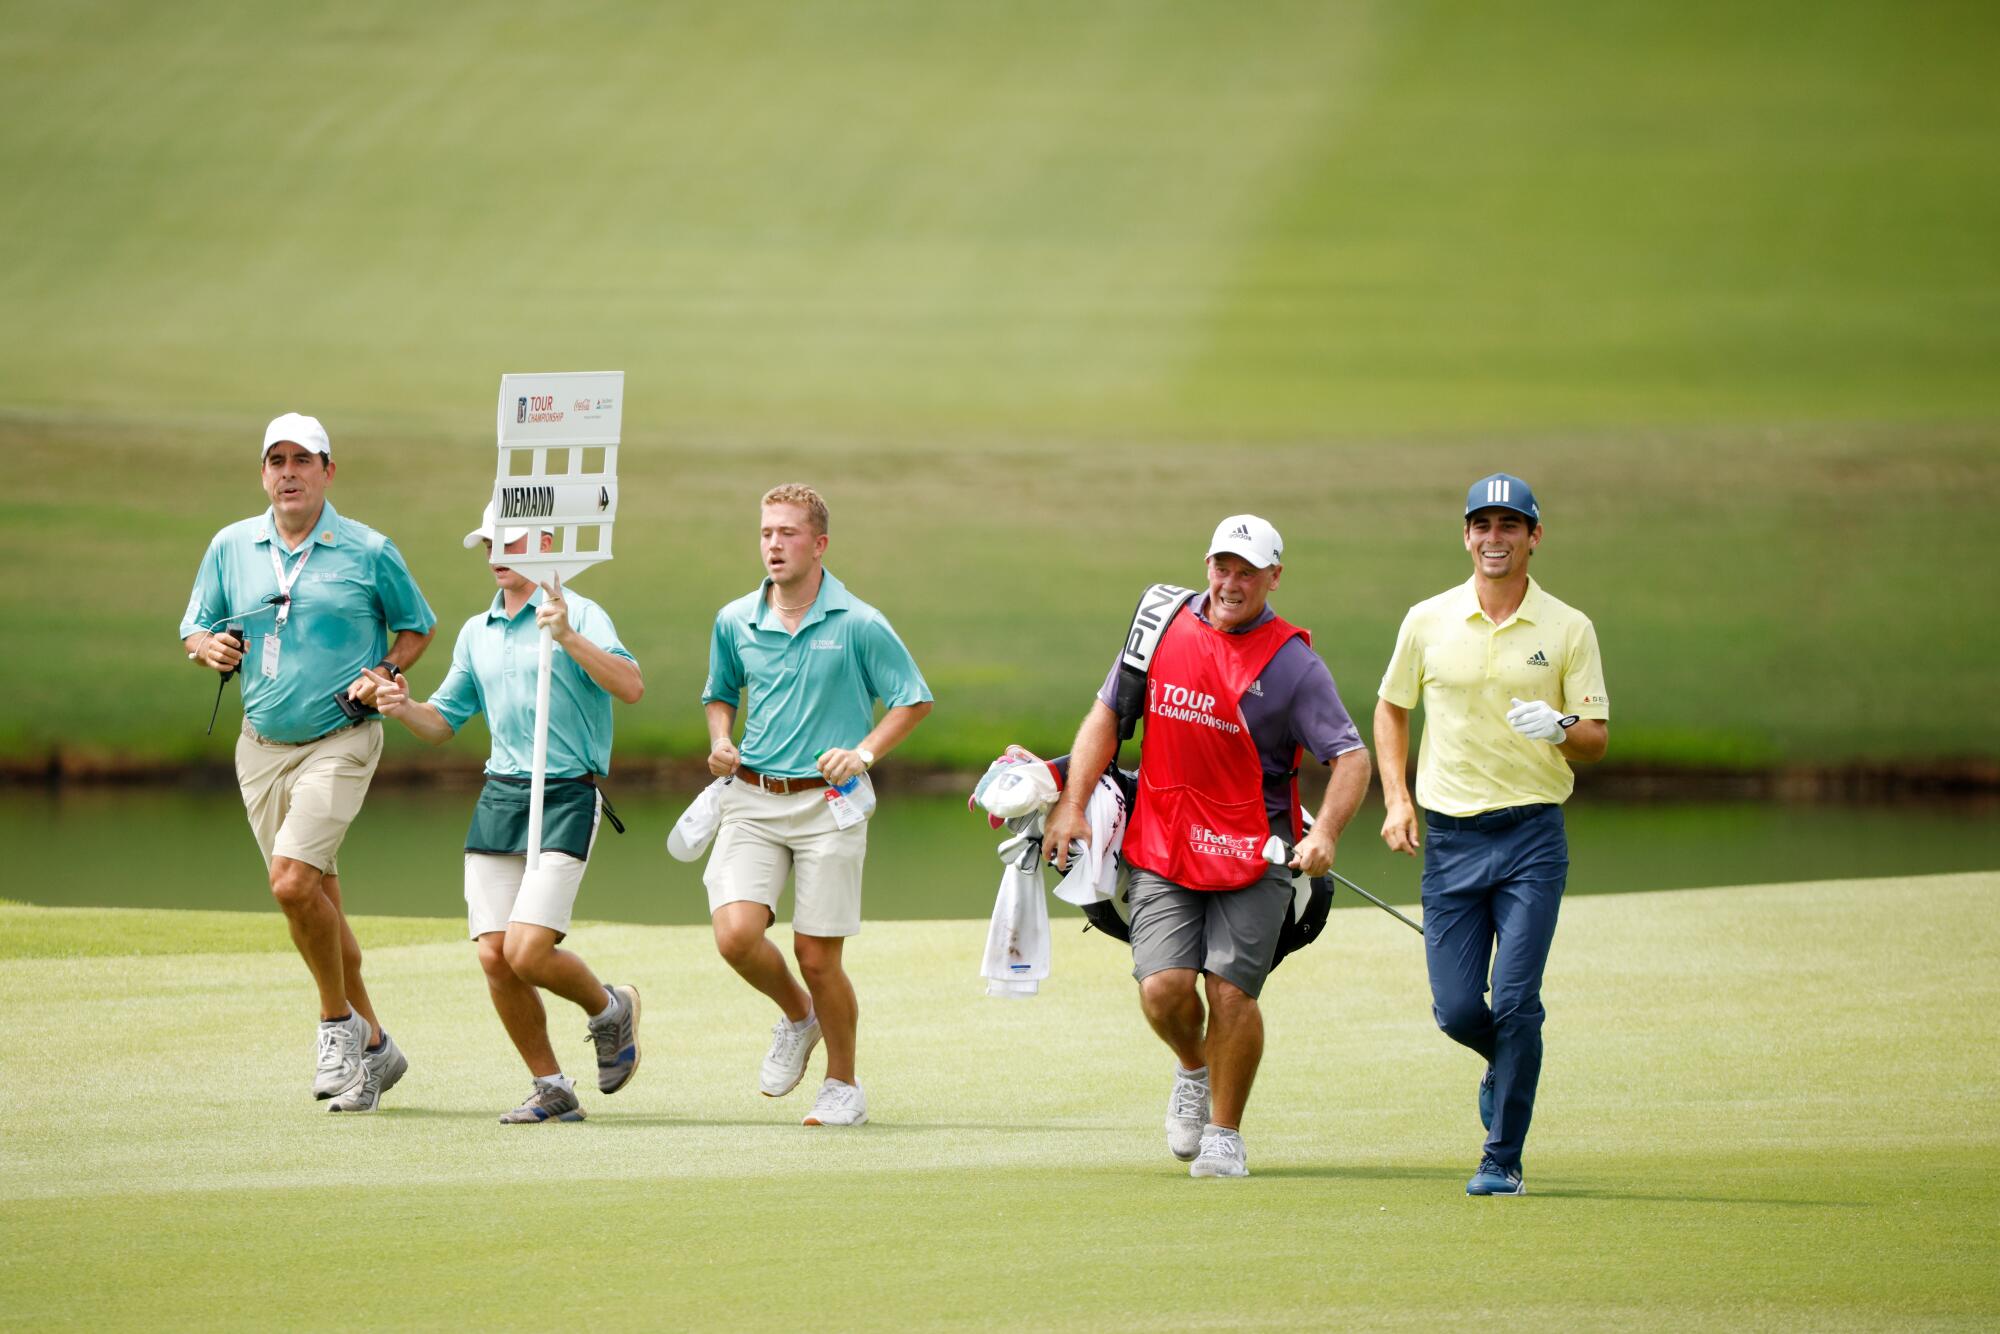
764	838
499	890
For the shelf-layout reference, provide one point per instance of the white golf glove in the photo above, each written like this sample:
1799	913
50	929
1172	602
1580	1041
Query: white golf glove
1536	721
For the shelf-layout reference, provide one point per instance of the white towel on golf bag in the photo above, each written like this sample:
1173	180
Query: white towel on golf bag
1017	941
1093	874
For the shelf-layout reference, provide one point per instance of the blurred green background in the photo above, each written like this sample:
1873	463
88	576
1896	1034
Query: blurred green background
1036	293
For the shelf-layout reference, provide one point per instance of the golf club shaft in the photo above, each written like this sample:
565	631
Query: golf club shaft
1377	902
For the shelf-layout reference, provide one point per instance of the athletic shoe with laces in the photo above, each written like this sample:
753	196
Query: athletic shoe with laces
1187	1113
785	1064
617	1039
838	1104
1493	1179
1221	1154
341	1047
549	1102
380	1069
1486	1099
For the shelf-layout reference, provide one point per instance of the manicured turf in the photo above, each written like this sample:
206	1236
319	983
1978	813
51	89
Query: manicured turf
1766	1106
1037	293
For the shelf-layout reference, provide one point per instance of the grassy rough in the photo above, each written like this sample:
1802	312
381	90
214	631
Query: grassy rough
1768	1105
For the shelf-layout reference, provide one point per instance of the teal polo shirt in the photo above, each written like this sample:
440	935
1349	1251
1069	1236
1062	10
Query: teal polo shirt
493	669
354	591
807	692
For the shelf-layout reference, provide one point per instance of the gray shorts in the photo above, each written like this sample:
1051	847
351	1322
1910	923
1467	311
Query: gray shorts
1232	933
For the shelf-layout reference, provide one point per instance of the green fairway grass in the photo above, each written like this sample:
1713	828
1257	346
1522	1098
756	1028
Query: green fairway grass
1768	1106
1037	293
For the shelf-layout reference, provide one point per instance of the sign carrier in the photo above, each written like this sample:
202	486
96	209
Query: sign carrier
558	473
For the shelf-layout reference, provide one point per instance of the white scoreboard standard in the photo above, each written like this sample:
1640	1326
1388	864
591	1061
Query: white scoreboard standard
559	466
558	472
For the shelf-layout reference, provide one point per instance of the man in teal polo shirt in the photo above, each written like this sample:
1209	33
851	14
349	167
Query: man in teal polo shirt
304	602
809	660
519	916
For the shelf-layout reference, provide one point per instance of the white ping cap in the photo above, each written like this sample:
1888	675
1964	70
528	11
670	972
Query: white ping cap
300	430
485	531
1250	537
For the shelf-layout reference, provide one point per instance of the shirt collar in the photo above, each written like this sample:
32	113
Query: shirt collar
324	531
833	596
1530	610
498	610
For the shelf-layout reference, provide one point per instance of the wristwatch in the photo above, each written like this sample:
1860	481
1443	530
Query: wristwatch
388	669
867	756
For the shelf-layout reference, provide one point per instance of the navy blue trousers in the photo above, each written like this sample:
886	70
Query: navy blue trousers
1492	886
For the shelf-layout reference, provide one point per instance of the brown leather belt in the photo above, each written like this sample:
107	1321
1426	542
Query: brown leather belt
781	786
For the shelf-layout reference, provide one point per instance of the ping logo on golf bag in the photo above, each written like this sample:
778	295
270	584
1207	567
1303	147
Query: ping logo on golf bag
1158	606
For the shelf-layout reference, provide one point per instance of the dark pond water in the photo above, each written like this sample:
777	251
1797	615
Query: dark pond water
927	856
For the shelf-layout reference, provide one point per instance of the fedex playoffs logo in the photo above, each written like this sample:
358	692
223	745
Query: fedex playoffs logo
1209	843
1164	699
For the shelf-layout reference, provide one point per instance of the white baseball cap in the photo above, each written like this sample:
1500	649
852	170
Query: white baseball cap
1250	537
484	532
300	430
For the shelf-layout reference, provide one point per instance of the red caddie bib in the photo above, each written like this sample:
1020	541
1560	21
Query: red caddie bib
1198	818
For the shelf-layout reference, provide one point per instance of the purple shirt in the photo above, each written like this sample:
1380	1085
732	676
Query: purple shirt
1293	704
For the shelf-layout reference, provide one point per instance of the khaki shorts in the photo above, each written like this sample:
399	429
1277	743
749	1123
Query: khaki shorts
499	890
764	838
300	799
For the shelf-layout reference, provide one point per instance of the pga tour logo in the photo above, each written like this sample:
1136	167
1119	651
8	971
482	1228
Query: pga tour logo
520	410
1210	843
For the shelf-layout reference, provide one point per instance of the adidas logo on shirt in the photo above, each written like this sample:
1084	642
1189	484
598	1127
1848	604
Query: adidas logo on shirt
1257	687
1539	660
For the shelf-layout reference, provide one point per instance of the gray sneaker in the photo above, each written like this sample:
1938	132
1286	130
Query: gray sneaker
1187	1113
549	1102
380	1069
341	1047
1221	1154
617	1040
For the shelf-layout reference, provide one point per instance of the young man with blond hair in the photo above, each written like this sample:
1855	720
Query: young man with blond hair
807	661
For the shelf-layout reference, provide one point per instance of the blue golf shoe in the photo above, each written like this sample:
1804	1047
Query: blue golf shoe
1493	1179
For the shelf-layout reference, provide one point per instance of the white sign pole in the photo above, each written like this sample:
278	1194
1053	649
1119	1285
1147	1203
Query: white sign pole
558	474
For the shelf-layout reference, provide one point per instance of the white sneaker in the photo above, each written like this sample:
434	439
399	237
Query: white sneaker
1221	1154
380	1069
785	1063
341	1049
838	1104
1187	1113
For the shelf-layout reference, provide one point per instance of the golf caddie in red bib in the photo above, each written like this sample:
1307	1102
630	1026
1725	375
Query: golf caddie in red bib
1231	698
1199	818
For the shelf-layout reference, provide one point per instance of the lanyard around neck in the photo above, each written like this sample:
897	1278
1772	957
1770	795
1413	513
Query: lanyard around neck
285	582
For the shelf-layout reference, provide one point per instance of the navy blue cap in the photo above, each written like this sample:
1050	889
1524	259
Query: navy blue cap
1502	491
